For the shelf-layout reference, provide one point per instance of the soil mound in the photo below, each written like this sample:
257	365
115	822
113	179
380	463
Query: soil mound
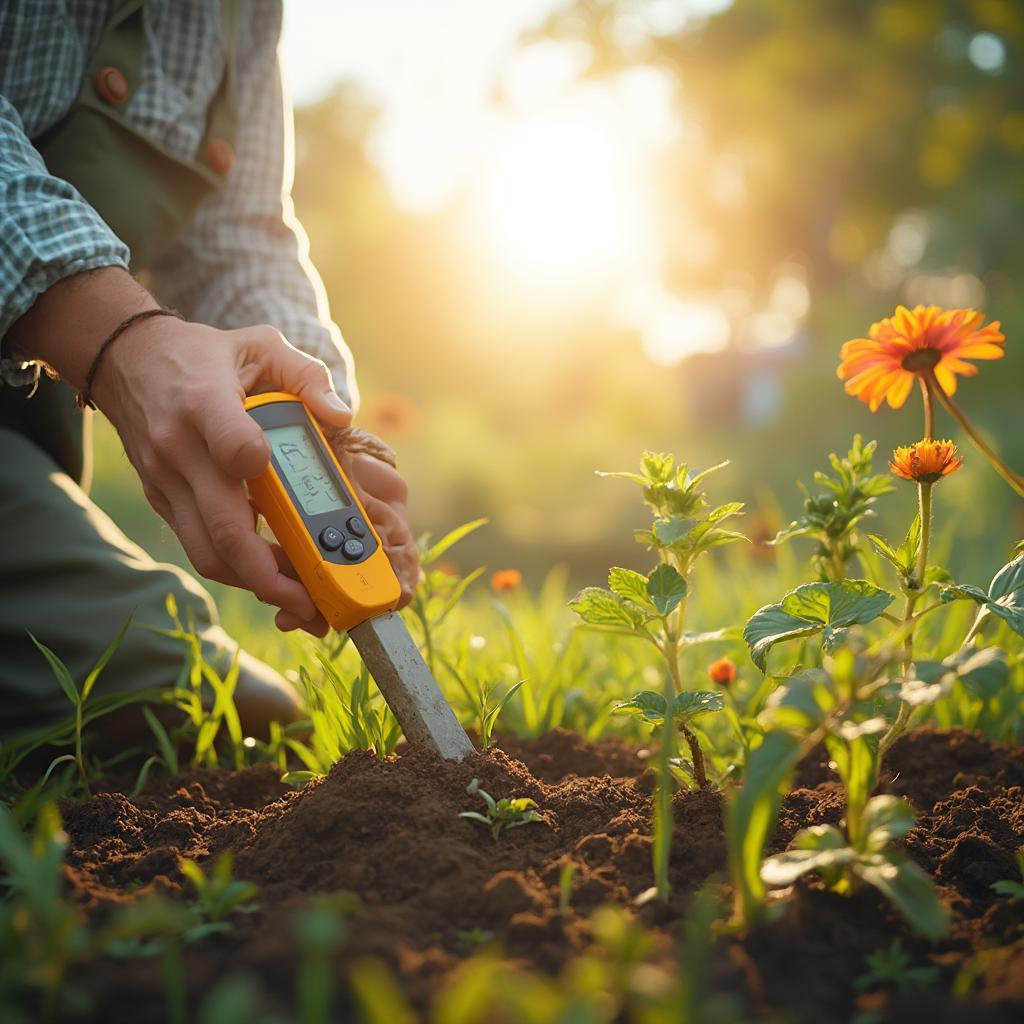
430	884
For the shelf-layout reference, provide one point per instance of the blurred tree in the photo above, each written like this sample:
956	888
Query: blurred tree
831	118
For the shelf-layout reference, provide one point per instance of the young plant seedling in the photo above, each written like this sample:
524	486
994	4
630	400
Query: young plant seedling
218	895
890	967
1010	887
687	706
831	515
835	706
508	812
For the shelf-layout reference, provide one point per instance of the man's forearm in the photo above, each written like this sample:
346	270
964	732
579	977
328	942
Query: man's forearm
68	323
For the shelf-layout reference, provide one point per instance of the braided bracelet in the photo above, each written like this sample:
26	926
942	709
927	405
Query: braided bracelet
84	400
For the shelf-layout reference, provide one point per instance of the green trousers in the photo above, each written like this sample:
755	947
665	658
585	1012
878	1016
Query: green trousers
70	577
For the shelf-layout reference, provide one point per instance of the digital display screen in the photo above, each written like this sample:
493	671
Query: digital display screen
299	459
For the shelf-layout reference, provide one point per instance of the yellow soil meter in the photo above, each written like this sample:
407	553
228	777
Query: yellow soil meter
315	515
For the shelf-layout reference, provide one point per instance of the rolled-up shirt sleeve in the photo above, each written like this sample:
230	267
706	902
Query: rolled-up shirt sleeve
47	229
244	258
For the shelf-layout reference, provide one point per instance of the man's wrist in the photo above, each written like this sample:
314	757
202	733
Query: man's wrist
68	324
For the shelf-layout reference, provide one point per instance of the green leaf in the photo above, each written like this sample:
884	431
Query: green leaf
449	540
671	531
1006	595
90	679
692	703
810	609
885	818
599	607
666	588
751	814
910	890
711	636
657	467
769	626
629	585
648	704
962	591
60	670
299	778
820	848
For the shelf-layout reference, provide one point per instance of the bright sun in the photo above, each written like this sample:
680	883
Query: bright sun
562	199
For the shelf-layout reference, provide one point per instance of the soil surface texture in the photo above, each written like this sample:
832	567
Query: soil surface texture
429	882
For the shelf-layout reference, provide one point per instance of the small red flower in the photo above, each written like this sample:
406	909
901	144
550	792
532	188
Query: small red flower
722	671
506	579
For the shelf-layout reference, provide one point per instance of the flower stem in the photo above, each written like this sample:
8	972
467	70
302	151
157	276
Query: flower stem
929	407
1015	480
899	726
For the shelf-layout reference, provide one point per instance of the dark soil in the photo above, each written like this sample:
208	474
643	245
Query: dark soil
390	833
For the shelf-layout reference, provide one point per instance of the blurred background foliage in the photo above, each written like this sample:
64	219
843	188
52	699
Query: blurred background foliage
683	209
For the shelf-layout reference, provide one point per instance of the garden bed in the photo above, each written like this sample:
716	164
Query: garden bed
431	885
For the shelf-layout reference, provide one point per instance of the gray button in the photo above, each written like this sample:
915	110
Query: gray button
352	549
331	539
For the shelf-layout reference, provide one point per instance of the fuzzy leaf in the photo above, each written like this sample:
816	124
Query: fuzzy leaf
629	585
599	607
666	588
1006	595
692	703
650	705
813	608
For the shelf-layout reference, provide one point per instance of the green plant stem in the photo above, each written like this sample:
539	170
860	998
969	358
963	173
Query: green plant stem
1014	479
79	756
924	497
696	754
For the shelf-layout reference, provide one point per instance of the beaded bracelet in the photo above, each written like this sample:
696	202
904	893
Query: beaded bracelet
84	400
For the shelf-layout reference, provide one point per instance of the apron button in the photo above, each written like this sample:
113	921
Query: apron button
221	155
112	86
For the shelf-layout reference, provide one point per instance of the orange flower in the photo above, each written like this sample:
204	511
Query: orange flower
926	461
507	579
722	671
908	344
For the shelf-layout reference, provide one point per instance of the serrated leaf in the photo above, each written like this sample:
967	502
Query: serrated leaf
839	603
692	703
769	626
599	607
657	467
629	585
1006	595
963	591
666	588
810	609
648	704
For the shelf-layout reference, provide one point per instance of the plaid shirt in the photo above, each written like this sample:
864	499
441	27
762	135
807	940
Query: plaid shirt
243	258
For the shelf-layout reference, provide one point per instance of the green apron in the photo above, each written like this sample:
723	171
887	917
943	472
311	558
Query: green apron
67	574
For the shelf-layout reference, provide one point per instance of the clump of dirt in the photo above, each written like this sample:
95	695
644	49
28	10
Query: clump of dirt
428	880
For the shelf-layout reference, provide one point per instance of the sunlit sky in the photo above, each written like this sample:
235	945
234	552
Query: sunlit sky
559	176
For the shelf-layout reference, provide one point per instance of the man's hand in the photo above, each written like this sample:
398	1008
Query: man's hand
174	391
